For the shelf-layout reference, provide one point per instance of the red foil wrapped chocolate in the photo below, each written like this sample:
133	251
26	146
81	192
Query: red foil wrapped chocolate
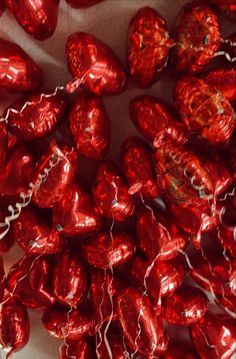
154	120
141	326
34	235
93	64
39	118
60	163
90	126
186	306
3	146
2	279
82	4
69	280
79	349
116	347
18	71
17	172
63	323
214	336
29	280
14	326
103	290
175	351
224	80
7	241
197	36
137	165
159	278
158	235
75	213
187	188
148	46
107	250
110	193
38	18
204	110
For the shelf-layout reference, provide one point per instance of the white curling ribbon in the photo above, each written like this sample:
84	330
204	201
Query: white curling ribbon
29	103
26	198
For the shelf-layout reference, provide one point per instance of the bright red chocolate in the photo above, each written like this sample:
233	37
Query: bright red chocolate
142	327
105	250
14	326
90	126
78	349
186	306
60	162
187	188
34	235
29	280
93	64
103	289
148	46
224	80
161	279
82	4
17	172
137	165
158	235
154	120
64	323
204	110
110	193
214	336
38	18
69	280
75	213
197	36
18	71
39	118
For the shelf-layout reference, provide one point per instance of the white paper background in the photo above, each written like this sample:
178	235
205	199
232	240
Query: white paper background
108	21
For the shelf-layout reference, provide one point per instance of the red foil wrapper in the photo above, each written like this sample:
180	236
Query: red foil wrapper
82	4
103	289
217	275
226	236
154	120
2	279
186	306
60	176
197	36
204	110
39	118
67	324
3	146
34	235
93	64
224	80
75	213
137	165
18	71
175	351
161	279
29	280
107	250
90	126
116	347
17	172
38	18
214	336
142	327
7	241
14	326
111	193
187	188
158	235
69	280
148	46
228	7
79	349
